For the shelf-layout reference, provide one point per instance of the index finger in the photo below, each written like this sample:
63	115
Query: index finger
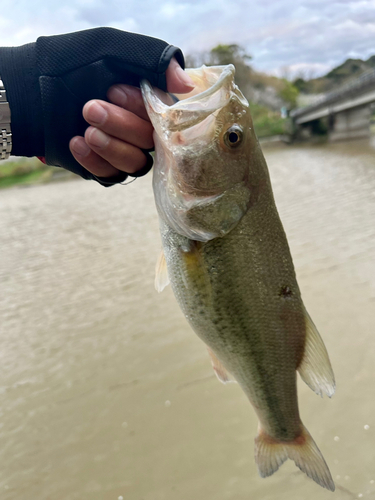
129	98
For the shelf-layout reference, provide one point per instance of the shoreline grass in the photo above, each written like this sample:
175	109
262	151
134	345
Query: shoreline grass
29	171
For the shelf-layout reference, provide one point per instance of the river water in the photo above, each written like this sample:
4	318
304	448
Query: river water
106	393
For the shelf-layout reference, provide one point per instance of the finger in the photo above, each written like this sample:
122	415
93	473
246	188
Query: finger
177	80
118	153
90	160
129	98
119	123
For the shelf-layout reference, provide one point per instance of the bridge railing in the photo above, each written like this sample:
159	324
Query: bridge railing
362	81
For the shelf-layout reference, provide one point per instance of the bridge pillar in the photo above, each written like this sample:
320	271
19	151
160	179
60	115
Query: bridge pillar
353	123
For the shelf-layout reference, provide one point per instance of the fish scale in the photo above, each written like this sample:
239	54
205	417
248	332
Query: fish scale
226	256
241	317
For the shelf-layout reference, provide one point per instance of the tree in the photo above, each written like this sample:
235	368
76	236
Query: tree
229	54
301	84
289	94
233	54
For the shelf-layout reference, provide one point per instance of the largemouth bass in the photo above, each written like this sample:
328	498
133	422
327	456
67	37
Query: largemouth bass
226	256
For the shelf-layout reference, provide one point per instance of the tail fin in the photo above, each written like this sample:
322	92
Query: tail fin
270	454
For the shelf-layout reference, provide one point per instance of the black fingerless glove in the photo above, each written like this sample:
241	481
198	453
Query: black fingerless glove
49	81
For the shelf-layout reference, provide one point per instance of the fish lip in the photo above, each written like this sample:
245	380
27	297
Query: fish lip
194	109
227	72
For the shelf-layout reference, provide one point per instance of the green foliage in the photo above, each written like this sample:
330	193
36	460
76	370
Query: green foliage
229	54
349	68
266	122
289	94
23	171
301	84
222	55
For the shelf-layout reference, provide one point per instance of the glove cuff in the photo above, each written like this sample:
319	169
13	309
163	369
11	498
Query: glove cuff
19	72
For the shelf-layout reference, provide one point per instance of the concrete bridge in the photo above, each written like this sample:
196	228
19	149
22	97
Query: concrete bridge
346	113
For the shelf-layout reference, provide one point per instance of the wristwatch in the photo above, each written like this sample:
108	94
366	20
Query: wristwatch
5	132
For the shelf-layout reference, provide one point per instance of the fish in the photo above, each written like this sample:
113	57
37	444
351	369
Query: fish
226	256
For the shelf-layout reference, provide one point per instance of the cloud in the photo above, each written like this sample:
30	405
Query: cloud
315	34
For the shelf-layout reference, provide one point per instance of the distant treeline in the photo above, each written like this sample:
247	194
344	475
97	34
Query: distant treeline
351	68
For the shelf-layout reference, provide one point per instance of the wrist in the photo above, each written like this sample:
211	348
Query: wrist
5	131
20	76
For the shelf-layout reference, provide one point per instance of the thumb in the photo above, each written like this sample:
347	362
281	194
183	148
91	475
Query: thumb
178	81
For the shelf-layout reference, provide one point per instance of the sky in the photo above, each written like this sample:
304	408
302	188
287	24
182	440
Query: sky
285	37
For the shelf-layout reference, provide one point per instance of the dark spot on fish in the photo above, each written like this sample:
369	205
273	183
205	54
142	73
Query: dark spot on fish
285	292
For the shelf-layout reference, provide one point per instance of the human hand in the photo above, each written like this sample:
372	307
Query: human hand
48	83
121	129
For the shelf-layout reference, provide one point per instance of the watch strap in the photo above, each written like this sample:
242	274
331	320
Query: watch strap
5	131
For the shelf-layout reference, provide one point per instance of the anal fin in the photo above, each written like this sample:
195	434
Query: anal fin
315	368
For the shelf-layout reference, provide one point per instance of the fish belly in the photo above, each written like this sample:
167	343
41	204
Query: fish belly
241	297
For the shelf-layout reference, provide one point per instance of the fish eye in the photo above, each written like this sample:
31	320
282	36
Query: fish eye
233	136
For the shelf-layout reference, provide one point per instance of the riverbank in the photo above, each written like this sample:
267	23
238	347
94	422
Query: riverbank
24	172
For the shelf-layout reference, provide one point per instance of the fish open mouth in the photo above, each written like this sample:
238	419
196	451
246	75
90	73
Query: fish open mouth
214	89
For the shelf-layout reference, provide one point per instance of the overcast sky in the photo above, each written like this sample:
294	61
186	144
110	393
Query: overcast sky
314	35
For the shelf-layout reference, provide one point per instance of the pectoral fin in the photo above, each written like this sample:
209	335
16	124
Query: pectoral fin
315	368
161	273
219	369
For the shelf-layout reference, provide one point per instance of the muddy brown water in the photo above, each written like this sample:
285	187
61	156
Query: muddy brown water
106	393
